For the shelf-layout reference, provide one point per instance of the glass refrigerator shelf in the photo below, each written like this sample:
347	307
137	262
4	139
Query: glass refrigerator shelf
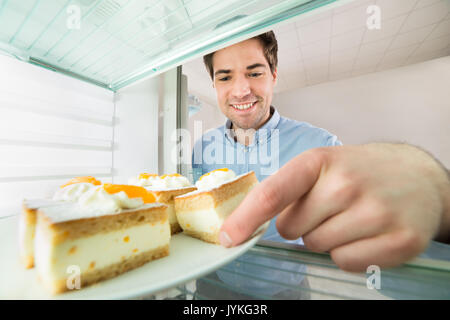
417	279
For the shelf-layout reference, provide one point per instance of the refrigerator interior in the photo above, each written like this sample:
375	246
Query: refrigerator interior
92	88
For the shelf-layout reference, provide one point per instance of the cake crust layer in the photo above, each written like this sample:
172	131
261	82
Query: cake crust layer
205	236
167	196
28	218
29	214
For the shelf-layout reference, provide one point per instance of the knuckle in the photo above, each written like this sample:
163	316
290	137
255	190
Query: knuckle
284	230
314	157
347	262
314	243
240	228
344	190
270	198
318	155
288	234
341	260
409	241
378	213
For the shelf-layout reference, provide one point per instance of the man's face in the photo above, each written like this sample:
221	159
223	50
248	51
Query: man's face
244	84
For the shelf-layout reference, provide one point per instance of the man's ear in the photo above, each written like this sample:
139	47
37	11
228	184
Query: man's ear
275	76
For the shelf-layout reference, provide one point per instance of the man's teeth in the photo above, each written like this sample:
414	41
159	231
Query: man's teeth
242	106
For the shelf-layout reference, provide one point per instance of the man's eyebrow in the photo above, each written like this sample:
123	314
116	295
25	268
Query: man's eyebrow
255	65
226	71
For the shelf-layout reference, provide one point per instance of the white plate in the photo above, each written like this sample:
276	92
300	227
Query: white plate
189	259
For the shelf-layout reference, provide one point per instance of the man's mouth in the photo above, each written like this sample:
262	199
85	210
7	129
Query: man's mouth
244	106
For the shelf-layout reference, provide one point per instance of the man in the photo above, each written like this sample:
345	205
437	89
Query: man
373	204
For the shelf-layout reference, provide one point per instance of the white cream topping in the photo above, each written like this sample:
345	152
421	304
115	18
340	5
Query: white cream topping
142	182
171	182
214	179
73	192
158	183
104	203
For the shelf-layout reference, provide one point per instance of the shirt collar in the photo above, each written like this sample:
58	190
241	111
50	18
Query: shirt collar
266	128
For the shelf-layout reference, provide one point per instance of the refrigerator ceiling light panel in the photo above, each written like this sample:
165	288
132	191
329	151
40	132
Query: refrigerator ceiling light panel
113	43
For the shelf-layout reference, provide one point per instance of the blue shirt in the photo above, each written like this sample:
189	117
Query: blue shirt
274	144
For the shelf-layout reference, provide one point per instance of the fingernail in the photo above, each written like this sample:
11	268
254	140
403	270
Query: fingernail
225	239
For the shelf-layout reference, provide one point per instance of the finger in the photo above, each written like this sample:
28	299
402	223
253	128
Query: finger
271	196
358	222
330	195
385	251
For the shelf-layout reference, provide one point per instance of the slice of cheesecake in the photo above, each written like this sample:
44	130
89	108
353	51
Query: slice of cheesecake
167	197
27	228
201	213
165	188
109	231
70	191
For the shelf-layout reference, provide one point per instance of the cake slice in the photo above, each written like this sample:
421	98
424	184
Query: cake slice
70	191
165	188
201	213
110	230
27	227
167	197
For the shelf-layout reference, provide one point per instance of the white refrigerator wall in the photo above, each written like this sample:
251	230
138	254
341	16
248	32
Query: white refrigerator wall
409	104
53	128
136	130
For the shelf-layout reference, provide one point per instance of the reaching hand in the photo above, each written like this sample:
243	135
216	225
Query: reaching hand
371	204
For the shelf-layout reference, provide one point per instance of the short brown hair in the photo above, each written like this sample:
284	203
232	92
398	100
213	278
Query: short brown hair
270	48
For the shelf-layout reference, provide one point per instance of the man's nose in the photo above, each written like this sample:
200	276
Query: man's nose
241	87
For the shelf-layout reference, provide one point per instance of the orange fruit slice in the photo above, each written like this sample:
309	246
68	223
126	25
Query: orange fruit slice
147	175
206	174
87	179
170	175
131	191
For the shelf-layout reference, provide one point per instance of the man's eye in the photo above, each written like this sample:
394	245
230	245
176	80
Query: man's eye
255	74
224	78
